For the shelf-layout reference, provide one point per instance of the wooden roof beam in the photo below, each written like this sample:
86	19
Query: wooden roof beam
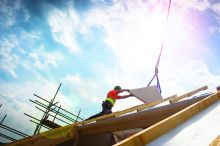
216	141
51	137
169	123
141	119
135	108
188	94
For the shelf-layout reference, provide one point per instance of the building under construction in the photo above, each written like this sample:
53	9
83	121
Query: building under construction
159	121
154	123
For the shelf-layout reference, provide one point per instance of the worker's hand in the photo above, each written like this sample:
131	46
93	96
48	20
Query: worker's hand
122	90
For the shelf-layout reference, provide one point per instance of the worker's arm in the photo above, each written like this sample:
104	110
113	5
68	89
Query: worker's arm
122	90
124	96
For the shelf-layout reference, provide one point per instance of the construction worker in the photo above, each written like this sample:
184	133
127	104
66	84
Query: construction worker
110	101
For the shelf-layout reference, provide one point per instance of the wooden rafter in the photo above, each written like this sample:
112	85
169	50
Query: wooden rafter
141	119
188	94
62	134
216	141
135	108
51	137
147	135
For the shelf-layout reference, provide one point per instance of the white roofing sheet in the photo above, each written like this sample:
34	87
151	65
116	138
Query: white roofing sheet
147	94
200	130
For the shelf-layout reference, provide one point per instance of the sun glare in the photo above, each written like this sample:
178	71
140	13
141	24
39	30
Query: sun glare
157	26
175	32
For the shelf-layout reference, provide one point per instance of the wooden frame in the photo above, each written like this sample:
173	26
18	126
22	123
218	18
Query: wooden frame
51	137
147	135
135	108
63	134
216	141
141	107
141	119
188	94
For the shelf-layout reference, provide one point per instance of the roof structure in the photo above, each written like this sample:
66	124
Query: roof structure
141	125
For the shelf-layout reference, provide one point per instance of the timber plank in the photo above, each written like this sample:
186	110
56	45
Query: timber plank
135	108
50	124
47	138
216	142
151	104
136	120
188	94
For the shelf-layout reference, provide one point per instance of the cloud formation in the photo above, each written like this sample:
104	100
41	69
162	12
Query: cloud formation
63	27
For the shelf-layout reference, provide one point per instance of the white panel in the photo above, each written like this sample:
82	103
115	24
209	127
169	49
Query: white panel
200	130
147	94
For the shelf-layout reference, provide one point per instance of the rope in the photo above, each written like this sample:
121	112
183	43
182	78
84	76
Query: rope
158	60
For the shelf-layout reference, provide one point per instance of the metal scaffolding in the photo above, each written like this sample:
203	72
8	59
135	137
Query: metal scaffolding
10	130
51	109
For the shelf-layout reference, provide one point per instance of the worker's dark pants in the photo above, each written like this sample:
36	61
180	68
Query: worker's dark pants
106	109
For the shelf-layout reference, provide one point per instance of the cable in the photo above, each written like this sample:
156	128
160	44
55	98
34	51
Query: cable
158	60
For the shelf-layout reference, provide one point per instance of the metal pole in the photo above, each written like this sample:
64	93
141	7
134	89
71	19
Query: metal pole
77	115
14	131
38	123
53	116
57	106
56	93
3	119
32	117
36	129
60	114
56	113
7	137
48	108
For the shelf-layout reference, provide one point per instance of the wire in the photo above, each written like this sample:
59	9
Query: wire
158	60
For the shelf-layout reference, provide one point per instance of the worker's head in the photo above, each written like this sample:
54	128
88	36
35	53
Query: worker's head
117	88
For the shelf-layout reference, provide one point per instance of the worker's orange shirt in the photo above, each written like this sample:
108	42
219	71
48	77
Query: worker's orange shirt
113	94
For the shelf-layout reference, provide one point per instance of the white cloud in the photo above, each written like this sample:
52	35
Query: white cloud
216	8
87	89
41	59
201	5
184	78
9	60
32	35
8	17
11	53
63	26
22	92
197	4
214	29
8	11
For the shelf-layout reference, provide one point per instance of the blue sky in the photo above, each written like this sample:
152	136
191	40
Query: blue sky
92	45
